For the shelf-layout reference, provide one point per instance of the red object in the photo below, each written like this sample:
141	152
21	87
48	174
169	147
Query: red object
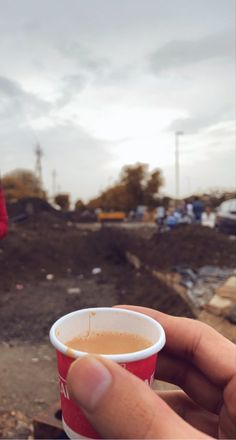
72	414
141	363
3	216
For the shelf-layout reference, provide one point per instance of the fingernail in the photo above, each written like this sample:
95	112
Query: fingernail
88	381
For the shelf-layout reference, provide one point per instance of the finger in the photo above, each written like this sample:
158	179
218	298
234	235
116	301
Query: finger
230	397
190	412
119	405
226	425
191	380
193	340
228	412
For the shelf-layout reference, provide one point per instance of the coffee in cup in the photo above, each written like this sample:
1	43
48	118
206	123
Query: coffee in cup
109	342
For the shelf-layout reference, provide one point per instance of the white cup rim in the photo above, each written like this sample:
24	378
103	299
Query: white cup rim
121	358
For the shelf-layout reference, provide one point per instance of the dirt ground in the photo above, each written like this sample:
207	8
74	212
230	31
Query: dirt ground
40	261
190	245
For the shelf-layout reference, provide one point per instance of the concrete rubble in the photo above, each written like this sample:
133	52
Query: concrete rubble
210	288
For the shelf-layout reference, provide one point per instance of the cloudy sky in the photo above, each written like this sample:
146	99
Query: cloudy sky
104	83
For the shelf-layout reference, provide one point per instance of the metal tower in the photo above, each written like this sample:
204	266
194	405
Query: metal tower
38	166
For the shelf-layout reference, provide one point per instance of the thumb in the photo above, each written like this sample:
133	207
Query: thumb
119	405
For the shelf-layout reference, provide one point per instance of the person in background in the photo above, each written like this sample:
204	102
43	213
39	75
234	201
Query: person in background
182	208
3	214
198	208
182	214
172	218
208	217
190	214
160	216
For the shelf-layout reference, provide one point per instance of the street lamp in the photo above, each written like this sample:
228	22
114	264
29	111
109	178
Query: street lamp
177	134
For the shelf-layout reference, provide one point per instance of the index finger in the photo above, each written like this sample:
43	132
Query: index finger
197	342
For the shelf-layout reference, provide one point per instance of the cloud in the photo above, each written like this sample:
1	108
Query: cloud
180	53
80	159
71	86
17	103
97	63
10	88
85	60
199	122
86	69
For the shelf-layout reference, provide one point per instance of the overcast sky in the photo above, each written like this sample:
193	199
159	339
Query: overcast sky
104	83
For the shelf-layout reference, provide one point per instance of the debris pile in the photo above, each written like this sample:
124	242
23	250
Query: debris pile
14	424
193	246
47	272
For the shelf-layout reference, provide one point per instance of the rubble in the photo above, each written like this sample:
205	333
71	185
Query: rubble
218	306
73	290
228	290
202	288
15	425
133	260
50	277
19	286
96	271
208	280
231	316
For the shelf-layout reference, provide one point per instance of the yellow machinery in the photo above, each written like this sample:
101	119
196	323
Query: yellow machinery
116	216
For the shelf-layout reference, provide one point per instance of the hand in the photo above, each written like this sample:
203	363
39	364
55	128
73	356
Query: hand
196	358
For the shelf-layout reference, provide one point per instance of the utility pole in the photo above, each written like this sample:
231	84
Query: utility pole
188	185
177	134
38	166
54	185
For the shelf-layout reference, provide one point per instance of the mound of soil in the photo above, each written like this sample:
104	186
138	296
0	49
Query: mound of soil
27	315
193	246
35	249
35	208
42	246
30	302
29	206
30	253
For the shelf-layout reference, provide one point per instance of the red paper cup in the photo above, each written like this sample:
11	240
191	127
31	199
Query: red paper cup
79	323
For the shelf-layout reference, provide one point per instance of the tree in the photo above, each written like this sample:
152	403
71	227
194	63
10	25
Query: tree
21	183
114	198
152	187
79	205
136	186
133	178
63	200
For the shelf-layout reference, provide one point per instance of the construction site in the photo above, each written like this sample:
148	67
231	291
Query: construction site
51	266
118	187
54	261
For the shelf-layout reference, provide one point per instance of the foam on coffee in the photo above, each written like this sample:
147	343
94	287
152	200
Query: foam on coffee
106	342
